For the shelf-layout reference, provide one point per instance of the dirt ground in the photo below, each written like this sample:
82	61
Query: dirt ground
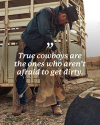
44	116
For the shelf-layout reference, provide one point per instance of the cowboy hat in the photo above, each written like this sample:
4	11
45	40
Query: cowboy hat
71	13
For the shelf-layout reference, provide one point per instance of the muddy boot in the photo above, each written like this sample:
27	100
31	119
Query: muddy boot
19	110
56	110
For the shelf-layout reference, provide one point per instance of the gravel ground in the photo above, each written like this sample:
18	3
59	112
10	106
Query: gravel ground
44	116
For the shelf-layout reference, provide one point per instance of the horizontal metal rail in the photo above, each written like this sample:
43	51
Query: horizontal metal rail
4	0
27	9
11	85
18	22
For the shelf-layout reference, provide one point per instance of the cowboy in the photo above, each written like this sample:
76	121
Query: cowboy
45	25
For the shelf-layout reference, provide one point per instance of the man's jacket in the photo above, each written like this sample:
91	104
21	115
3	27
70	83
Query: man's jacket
39	30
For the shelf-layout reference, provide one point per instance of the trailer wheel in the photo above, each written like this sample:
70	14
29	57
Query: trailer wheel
34	90
5	90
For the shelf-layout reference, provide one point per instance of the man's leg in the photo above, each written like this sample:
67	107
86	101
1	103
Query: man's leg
21	80
56	109
20	83
58	104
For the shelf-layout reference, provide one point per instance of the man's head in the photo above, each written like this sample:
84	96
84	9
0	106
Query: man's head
62	18
67	15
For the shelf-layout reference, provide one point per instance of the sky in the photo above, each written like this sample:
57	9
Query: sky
92	20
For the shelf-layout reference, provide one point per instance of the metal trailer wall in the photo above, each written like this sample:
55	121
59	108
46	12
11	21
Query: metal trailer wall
15	15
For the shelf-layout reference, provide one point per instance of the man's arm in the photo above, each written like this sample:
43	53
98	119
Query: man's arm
44	27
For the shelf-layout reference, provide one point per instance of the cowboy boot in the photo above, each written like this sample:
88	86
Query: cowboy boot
19	110
56	110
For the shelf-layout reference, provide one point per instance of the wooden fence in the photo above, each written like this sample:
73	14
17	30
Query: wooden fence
93	62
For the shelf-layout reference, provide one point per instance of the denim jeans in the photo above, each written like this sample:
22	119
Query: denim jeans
21	80
57	104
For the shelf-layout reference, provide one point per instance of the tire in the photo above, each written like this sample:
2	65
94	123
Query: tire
5	90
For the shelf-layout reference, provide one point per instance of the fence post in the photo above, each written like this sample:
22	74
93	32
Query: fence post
99	61
6	44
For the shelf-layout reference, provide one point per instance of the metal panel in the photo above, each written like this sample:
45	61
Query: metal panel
2	25
12	36
11	81
12	50
11	59
73	36
18	22
75	26
76	49
2	35
15	36
19	10
2	12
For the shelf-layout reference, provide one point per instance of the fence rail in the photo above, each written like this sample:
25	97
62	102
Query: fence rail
93	64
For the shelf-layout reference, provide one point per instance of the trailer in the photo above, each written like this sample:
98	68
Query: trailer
14	17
